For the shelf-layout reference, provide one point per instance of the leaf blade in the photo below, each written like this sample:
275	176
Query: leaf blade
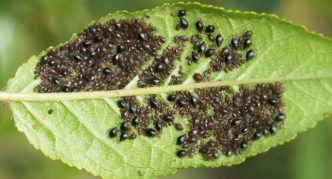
158	160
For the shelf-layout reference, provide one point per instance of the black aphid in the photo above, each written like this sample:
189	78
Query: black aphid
150	132
120	48
153	103
219	39
142	36
113	132
98	38
181	102
124	135
135	121
51	63
182	153
199	26
124	126
235	43
194	56
193	101
246	43
116	58
257	135
77	57
184	22
181	139
154	81
107	71
159	125
159	67
228	59
182	13
168	118
86	43
122	104
273	101
236	122
250	55
171	97
280	117
245	130
209	29
210	52
132	108
244	145
202	47
273	129
56	81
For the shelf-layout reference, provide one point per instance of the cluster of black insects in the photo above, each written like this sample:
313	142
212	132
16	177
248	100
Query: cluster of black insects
221	120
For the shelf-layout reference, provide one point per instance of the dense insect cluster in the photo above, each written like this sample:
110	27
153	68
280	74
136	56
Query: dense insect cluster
221	120
103	57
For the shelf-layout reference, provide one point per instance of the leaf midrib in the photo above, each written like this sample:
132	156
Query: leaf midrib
11	96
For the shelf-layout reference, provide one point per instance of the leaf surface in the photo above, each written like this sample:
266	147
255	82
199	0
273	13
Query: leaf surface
76	132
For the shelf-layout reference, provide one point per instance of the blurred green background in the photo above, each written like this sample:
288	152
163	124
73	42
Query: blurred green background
30	26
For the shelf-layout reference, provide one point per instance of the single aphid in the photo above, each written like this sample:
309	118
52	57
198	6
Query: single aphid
113	132
168	118
124	136
280	117
182	13
257	135
178	127
181	139
153	103
219	40
142	36
107	71
159	67
194	56
236	122
116	58
120	48
98	38
150	132
135	121
250	55
159	125
235	43
199	26
202	47
155	81
181	153
124	126
210	52
246	43
193	101
209	29
244	145
184	23
122	104
198	77
132	108
181	102
247	33
171	97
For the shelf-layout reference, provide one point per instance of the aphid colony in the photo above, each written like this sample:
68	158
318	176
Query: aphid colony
222	121
103	57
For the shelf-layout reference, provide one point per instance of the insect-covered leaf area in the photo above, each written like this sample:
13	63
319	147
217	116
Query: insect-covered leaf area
144	94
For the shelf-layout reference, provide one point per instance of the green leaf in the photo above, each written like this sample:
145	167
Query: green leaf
76	132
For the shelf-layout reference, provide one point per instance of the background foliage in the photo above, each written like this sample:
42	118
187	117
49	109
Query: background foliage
29	26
